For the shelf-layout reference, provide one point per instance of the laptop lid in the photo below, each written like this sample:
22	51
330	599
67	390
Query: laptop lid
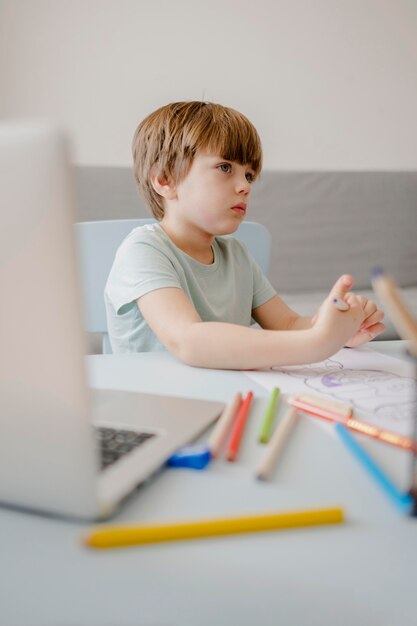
49	459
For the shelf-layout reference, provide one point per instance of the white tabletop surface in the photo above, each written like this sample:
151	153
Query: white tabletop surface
361	572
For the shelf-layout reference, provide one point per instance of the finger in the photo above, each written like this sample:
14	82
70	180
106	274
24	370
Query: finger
374	330
378	316
363	337
370	307
353	300
363	301
341	286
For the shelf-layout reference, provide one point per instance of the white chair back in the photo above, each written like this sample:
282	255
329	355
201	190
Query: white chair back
97	244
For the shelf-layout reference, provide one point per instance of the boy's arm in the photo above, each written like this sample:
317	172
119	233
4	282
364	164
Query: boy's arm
276	315
174	320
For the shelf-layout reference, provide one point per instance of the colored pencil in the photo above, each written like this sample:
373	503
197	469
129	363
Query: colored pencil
317	410
277	443
394	439
338	407
118	536
403	501
222	427
239	427
390	295
402	318
266	427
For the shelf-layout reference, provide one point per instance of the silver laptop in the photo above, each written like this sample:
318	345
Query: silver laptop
64	448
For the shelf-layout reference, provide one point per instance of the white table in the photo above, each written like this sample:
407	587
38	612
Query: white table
361	572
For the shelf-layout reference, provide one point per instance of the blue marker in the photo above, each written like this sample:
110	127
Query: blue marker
194	457
403	501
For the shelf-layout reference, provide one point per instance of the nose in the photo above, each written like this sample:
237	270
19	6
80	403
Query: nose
242	185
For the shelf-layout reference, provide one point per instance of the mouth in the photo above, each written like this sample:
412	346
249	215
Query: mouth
240	208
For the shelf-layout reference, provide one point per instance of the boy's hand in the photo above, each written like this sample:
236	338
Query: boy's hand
338	328
371	326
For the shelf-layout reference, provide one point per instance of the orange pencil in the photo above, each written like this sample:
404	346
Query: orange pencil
238	427
394	439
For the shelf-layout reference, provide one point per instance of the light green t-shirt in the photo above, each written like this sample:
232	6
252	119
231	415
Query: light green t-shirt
225	291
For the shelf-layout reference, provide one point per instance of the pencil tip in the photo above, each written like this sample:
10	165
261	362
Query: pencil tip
377	271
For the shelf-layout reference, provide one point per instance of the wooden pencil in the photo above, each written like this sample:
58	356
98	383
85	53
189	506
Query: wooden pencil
276	444
223	425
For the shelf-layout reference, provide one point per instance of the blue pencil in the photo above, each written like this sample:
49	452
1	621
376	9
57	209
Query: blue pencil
401	500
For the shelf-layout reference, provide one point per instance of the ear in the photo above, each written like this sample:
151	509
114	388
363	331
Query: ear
163	186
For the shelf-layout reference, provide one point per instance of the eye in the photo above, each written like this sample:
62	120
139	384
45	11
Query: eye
225	167
250	177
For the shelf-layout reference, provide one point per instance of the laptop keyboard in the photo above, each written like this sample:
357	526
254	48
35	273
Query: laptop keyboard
115	443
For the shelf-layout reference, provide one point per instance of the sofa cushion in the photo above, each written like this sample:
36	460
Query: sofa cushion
323	224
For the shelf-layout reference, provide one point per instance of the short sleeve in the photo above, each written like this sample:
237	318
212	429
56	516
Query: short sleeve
139	268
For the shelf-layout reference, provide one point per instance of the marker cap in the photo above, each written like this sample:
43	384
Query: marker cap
195	457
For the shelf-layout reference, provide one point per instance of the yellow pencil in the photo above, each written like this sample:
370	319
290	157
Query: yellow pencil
118	536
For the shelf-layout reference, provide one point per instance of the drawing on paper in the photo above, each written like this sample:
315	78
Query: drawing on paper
385	397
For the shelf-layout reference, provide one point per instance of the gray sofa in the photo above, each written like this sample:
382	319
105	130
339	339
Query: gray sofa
323	224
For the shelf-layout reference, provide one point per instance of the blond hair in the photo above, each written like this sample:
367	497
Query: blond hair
169	138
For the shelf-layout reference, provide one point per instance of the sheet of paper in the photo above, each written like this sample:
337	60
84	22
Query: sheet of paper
381	389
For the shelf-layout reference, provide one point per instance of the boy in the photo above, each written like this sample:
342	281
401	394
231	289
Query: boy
180	285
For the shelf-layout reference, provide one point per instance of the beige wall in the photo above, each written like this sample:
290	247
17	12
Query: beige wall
330	84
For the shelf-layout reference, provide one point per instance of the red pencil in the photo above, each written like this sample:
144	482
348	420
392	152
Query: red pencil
238	427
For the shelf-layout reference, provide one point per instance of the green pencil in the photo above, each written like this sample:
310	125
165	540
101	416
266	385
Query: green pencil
265	431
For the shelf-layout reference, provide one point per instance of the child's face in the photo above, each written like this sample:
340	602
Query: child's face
214	195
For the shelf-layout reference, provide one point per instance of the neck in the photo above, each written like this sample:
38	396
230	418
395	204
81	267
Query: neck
196	243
